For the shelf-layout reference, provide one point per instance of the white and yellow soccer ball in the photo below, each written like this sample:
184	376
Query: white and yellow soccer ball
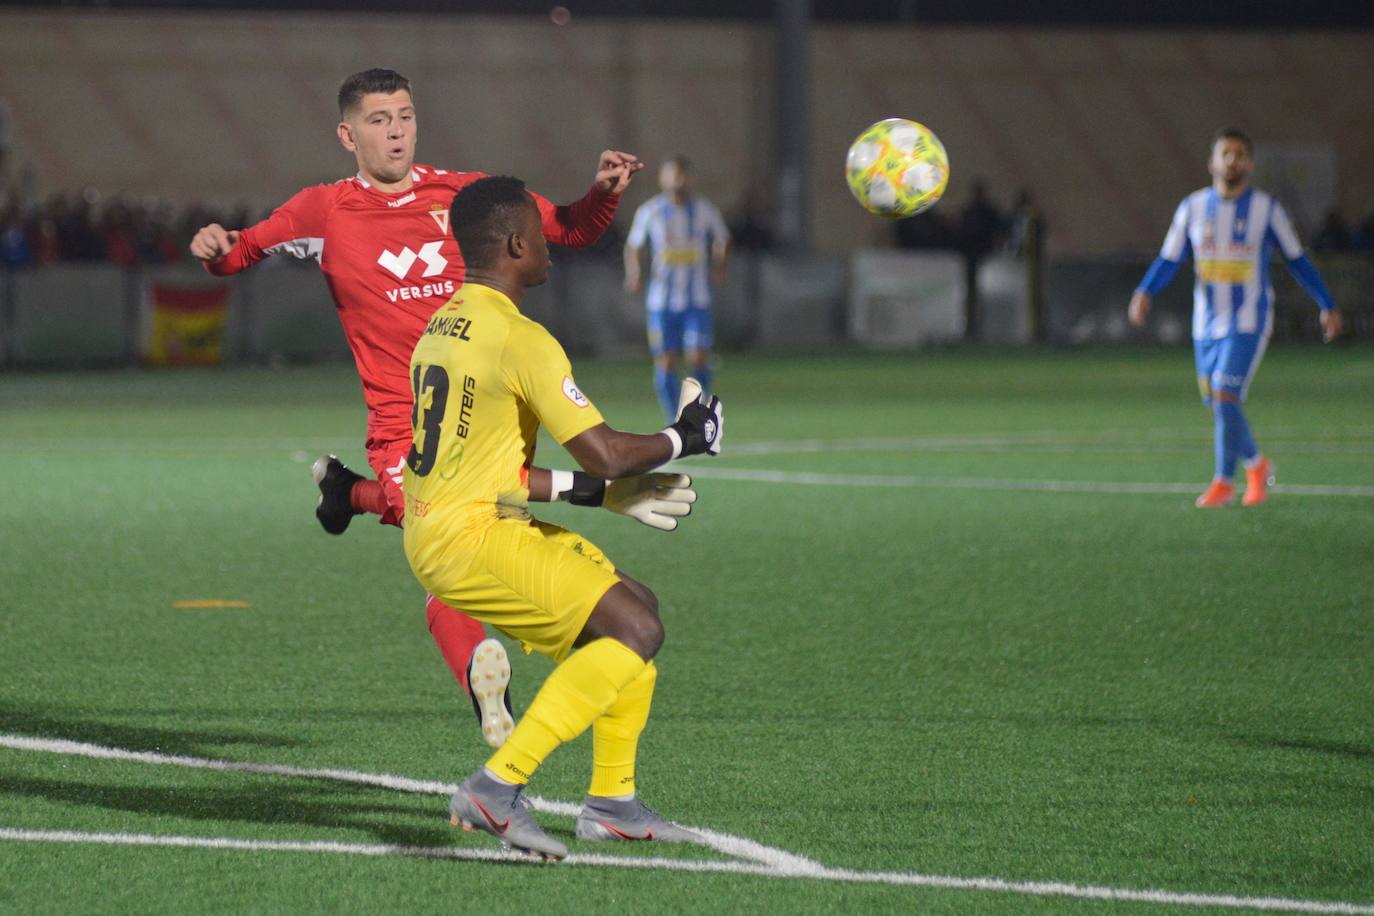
897	168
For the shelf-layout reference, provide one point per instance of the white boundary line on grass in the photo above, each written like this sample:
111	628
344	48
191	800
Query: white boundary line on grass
902	481
1146	440
721	842
816	873
1151	441
767	861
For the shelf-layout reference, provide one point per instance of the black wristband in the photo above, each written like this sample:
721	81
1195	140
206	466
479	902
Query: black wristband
587	490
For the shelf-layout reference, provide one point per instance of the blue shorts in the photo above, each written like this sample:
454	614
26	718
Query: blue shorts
673	332
1228	364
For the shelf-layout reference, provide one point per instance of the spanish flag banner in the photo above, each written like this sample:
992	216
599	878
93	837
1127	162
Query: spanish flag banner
187	326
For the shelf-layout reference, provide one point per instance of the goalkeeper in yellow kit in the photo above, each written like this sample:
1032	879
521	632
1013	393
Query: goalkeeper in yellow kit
484	378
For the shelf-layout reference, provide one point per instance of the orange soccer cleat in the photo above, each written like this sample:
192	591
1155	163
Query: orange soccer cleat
1219	494
1258	480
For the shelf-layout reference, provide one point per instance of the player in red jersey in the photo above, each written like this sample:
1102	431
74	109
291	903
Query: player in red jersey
382	241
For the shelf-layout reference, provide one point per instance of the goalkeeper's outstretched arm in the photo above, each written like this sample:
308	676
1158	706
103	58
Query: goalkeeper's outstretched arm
654	499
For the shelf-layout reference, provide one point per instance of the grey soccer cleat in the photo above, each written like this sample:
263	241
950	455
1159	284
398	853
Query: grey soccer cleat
485	803
489	686
628	819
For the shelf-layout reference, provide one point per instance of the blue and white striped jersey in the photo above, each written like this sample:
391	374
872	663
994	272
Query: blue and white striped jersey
680	239
1231	242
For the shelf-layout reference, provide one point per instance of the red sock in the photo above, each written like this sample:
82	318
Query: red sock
456	634
368	496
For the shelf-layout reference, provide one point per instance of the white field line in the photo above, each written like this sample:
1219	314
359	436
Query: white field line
1154	443
812	871
1157	440
767	861
739	847
901	481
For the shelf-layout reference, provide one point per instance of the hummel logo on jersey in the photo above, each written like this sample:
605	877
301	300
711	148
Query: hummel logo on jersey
400	264
401	201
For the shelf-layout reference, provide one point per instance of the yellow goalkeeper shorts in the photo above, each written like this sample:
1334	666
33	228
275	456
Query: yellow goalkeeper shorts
533	581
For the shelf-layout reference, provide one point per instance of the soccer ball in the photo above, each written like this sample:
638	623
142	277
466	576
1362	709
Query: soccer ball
897	168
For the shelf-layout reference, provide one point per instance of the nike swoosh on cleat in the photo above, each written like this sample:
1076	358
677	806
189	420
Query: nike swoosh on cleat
498	826
648	834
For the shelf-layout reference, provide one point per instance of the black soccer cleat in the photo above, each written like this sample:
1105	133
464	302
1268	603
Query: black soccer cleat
335	508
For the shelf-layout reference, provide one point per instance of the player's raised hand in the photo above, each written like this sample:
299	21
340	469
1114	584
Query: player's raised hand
615	169
1331	324
213	242
1139	309
699	427
655	499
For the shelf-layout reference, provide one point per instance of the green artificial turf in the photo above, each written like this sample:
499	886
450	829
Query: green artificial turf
898	662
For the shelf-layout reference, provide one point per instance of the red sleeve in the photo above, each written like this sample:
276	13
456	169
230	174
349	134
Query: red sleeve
581	222
295	228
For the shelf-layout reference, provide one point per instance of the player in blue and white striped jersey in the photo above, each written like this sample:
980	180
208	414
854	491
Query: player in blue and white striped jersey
689	245
1231	229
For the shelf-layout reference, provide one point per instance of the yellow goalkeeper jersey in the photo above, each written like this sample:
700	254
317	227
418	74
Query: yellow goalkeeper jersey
483	378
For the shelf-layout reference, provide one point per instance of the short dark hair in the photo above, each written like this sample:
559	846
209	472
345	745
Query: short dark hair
365	81
484	214
680	161
1233	133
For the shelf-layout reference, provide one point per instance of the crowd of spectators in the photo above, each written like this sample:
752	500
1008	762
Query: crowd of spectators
1336	234
121	229
92	228
978	229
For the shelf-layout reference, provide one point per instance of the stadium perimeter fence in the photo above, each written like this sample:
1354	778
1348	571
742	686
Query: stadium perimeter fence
80	315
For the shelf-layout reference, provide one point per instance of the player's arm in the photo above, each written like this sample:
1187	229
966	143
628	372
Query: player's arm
634	249
1171	256
720	249
295	228
1281	232
582	222
720	259
611	454
634	276
654	499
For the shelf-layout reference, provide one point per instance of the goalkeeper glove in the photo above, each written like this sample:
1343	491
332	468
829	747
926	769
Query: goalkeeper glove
699	426
655	499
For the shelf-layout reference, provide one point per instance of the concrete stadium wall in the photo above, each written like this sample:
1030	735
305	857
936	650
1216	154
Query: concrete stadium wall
1108	128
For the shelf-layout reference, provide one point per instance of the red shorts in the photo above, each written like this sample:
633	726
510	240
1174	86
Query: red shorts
388	460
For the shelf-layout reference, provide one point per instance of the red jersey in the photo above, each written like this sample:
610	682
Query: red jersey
390	262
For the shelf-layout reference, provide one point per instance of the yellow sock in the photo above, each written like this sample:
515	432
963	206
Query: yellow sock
578	691
615	736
